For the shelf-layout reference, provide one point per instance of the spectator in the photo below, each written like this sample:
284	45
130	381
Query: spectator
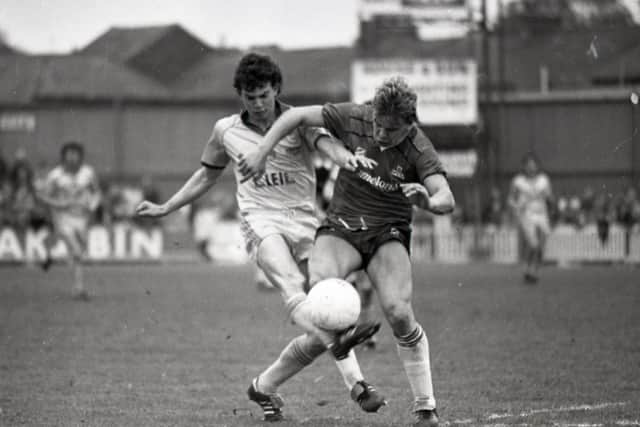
587	201
494	212
149	192
628	209
604	215
26	210
5	193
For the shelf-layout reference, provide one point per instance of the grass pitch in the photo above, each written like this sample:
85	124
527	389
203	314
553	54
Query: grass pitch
177	345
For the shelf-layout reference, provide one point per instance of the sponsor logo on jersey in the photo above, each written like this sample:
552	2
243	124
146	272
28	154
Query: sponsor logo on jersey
273	179
398	172
378	182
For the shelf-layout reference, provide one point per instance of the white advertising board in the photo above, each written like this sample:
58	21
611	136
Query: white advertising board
447	88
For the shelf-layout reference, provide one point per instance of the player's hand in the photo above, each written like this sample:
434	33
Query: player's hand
358	160
251	165
149	209
416	193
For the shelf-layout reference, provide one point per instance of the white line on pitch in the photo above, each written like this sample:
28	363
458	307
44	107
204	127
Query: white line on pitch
559	409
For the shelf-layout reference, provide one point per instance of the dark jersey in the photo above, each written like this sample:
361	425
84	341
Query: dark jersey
373	197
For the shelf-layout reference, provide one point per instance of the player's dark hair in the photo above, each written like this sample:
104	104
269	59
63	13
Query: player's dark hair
530	155
396	98
254	71
71	146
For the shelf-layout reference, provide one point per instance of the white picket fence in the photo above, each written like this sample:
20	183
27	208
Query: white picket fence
564	246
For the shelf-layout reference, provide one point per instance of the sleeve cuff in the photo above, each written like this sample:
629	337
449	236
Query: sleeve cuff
210	166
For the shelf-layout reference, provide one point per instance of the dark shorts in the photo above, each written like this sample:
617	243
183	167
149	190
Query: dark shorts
367	242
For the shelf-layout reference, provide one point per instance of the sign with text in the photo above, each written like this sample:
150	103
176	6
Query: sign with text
428	10
447	88
17	122
459	164
120	242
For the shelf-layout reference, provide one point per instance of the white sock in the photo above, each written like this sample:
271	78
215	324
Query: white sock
78	276
300	352
413	350
348	367
350	370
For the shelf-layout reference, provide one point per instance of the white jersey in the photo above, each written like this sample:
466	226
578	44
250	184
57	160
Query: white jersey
289	181
531	193
79	187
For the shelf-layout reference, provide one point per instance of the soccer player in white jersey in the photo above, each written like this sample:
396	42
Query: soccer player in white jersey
73	194
278	220
528	197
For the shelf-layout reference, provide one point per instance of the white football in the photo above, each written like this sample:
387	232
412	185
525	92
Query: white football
335	304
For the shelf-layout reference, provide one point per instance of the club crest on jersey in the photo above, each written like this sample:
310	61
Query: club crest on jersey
360	151
398	172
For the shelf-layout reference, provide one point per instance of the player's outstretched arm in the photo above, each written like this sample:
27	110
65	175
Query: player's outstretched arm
52	201
253	164
336	151
199	183
435	195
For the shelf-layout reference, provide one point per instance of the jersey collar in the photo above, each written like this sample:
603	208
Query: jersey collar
281	107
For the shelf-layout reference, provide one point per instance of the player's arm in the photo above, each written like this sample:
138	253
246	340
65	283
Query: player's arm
336	151
53	202
253	164
433	195
95	196
512	198
48	196
199	183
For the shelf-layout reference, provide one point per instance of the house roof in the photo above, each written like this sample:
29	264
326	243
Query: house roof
167	63
120	44
25	79
6	49
308	73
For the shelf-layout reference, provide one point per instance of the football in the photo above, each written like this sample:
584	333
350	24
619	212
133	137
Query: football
335	304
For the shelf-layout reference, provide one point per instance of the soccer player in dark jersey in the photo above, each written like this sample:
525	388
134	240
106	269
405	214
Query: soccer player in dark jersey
368	222
278	220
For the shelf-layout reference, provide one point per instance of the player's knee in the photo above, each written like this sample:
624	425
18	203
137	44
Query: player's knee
399	315
288	282
321	272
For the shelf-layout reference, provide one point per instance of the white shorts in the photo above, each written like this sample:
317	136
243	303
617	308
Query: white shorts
532	225
298	227
71	225
73	229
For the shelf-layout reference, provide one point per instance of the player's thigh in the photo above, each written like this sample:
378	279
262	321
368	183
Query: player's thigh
276	261
73	232
543	229
528	231
390	274
332	256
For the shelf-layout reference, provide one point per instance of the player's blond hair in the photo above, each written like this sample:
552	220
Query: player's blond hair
396	98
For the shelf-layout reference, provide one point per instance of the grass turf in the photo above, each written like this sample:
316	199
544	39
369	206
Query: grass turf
169	345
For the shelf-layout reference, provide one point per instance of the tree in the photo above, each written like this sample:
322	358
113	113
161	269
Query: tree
535	16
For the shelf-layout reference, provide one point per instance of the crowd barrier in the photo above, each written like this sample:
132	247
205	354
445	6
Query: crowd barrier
502	245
